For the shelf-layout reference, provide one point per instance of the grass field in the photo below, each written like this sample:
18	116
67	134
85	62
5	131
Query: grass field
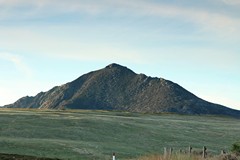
77	134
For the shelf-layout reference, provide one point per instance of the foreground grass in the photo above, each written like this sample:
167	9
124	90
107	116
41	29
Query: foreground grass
76	134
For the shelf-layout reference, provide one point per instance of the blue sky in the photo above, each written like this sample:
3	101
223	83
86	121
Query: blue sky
193	43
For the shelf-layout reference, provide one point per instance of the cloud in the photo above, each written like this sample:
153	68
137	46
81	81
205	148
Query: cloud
207	20
222	25
231	2
44	8
78	48
18	62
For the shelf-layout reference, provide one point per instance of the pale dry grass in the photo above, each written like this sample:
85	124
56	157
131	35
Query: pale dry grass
187	157
173	157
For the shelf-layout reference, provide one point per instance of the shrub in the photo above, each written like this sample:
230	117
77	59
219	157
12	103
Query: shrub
236	148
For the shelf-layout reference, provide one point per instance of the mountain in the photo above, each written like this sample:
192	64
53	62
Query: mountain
116	87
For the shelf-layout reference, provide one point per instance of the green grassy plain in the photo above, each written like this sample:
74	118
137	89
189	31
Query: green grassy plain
78	134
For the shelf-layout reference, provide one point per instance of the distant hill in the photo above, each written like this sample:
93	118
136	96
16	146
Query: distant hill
116	87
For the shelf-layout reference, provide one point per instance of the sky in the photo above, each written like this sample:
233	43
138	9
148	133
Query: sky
47	43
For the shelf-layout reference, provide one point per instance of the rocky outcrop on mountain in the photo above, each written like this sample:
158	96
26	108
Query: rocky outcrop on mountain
116	87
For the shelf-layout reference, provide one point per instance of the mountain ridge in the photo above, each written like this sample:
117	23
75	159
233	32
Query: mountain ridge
116	87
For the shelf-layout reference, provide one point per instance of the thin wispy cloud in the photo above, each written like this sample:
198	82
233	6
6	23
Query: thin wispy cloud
215	22
204	21
17	61
63	47
231	2
207	21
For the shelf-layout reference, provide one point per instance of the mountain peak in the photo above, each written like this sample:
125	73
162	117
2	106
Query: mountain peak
114	65
117	87
118	67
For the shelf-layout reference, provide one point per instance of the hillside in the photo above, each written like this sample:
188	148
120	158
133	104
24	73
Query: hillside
95	135
116	87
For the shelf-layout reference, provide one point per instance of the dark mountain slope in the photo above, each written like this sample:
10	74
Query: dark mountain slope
118	88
